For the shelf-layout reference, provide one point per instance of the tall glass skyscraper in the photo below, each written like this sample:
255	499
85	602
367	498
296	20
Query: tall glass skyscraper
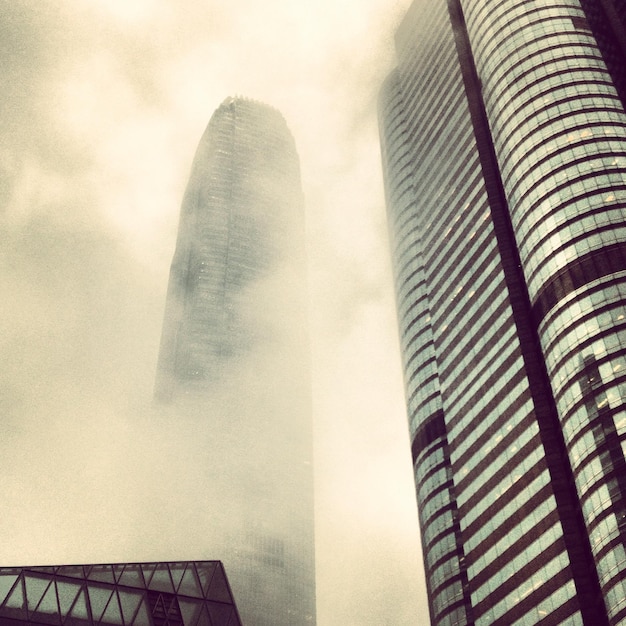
234	361
503	138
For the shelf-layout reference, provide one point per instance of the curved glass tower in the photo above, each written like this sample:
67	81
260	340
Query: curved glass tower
234	361
503	136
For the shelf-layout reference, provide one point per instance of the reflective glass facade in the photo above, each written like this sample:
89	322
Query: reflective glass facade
233	366
194	593
502	133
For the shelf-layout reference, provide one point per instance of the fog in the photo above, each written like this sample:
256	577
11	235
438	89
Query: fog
104	105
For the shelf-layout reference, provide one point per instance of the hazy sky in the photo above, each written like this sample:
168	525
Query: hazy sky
104	102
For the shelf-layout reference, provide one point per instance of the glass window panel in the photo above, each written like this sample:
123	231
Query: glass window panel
71	571
189	584
112	614
99	598
78	615
100	572
148	570
234	620
205	572
6	584
161	580
190	610
204	619
177	572
142	618
129	601
132	577
218	589
48	610
117	571
16	599
35	589
66	593
219	613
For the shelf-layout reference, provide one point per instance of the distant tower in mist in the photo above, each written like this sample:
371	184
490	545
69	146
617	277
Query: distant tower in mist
234	361
242	215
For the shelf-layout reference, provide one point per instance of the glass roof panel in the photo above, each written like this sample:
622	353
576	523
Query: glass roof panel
161	580
72	571
129	602
142	618
101	572
189	585
67	593
219	613
205	573
99	598
148	570
35	588
132	577
218	589
78	615
203	620
6	584
234	619
48	610
15	600
177	571
190	610
117	570
112	614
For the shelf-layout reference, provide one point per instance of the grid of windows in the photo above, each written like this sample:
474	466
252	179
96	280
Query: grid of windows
560	140
461	354
413	258
556	124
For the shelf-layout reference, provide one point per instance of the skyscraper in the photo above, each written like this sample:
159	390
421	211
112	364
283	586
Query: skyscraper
233	364
503	138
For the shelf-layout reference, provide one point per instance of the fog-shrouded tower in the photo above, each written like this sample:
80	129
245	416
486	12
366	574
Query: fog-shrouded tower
234	359
503	135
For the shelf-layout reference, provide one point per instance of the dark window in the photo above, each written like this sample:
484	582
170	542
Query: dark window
580	23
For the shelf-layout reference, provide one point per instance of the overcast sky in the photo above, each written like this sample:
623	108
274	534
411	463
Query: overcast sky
104	102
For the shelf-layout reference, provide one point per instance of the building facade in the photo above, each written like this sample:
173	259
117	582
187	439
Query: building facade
234	358
503	138
182	593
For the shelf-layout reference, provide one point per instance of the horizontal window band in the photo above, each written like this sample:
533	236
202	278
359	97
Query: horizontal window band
525	512
546	256
428	432
451	608
591	266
